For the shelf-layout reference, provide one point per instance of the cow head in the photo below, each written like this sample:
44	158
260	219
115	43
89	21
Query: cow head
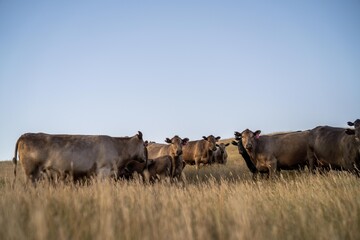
222	149
249	139
176	144
211	142
243	152
139	146
222	146
355	131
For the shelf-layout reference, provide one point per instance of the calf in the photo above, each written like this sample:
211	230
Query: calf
174	149
158	168
220	155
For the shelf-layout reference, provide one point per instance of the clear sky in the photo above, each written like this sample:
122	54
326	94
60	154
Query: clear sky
190	68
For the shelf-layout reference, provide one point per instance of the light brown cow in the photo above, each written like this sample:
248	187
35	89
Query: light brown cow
174	149
200	151
76	155
158	168
220	155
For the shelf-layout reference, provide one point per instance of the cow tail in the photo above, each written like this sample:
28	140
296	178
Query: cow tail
15	160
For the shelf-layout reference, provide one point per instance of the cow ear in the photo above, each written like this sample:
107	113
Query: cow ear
205	138
146	143
237	134
350	124
257	134
140	135
234	143
217	138
227	144
238	138
185	141
349	131
217	145
167	140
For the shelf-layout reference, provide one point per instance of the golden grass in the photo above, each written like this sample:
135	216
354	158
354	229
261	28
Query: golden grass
222	202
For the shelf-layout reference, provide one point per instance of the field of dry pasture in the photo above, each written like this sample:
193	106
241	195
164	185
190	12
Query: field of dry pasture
222	202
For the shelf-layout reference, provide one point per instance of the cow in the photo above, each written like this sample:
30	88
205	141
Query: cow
220	155
174	149
270	153
200	151
154	169
76	155
335	148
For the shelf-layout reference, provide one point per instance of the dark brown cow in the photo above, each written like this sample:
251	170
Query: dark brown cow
220	155
270	153
174	149
200	151
158	168
335	148
76	155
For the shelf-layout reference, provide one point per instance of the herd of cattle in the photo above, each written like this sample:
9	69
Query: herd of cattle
60	157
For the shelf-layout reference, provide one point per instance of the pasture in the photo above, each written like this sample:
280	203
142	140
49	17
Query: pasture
222	202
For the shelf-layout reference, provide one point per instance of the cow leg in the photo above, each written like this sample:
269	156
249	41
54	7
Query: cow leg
197	164
34	176
272	166
103	173
312	159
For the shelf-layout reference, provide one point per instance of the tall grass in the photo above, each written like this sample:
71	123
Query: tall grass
221	202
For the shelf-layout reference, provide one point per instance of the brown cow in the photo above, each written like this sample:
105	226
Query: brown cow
220	155
158	168
200	151
336	148
174	149
270	153
76	155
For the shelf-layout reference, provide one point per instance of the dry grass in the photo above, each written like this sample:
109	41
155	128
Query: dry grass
222	202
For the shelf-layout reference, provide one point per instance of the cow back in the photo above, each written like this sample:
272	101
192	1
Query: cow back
193	150
156	150
333	147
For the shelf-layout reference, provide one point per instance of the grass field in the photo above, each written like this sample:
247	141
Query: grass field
222	202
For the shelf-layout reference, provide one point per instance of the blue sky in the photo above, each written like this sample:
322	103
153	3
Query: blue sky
190	68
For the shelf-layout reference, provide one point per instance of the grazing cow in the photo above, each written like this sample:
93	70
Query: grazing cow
158	168
76	155
335	148
200	151
174	149
220	155
270	153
